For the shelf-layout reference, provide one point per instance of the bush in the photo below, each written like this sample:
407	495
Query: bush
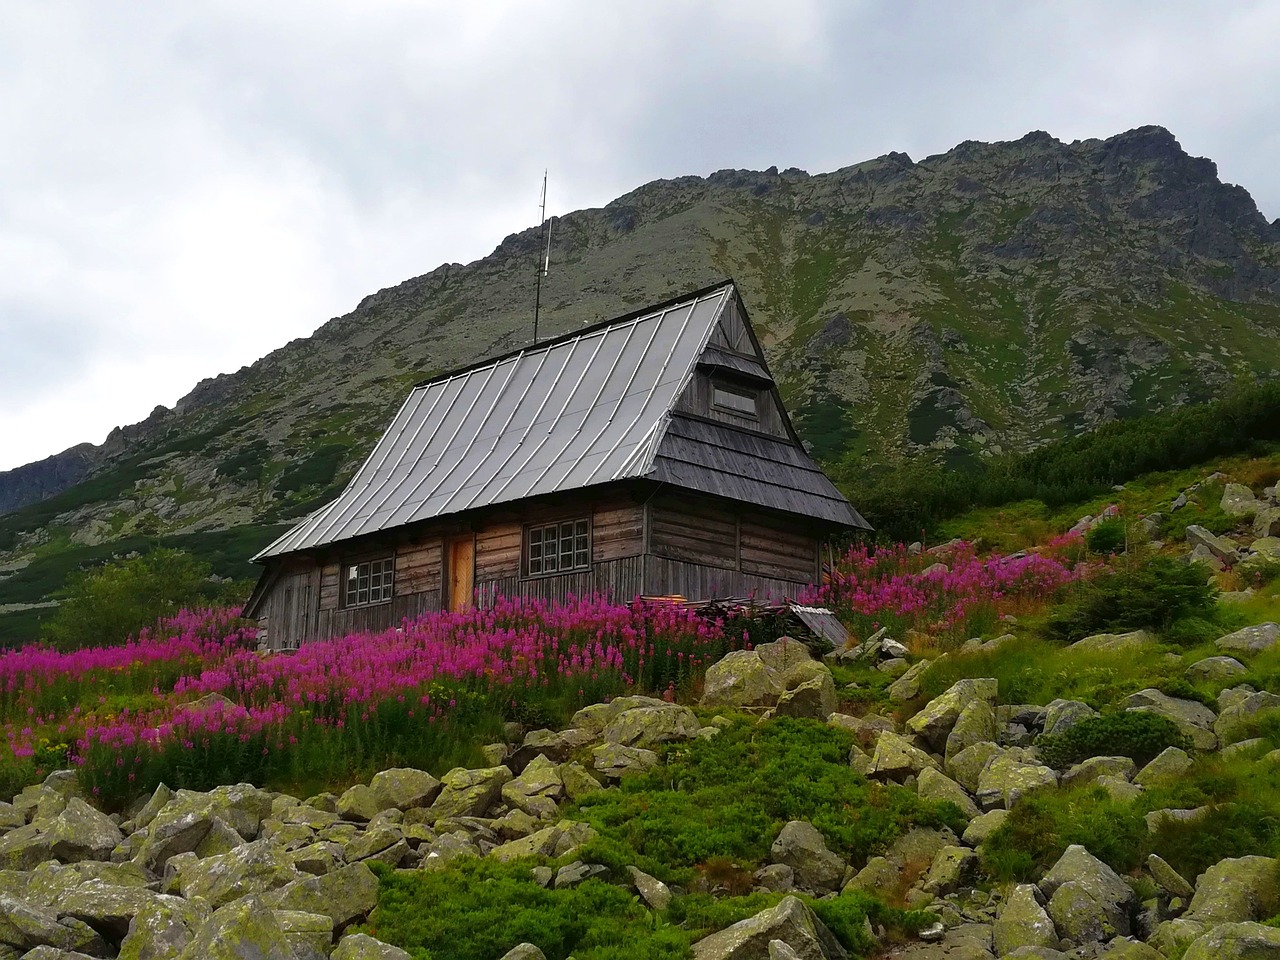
1137	734
105	606
1107	537
1154	595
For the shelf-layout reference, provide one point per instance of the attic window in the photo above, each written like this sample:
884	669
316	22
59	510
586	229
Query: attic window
557	547
735	399
369	582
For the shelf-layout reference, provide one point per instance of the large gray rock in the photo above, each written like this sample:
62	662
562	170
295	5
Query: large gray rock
1167	767
1239	501
1088	771
1131	642
244	930
1168	878
801	847
1266	525
80	832
1131	950
1233	723
740	679
24	926
309	934
361	946
253	868
976	724
952	867
404	788
1081	917
25	848
524	951
1061	715
647	727
1216	668
814	698
791	921
558	840
1080	866
108	908
933	785
1250	640
1219	547
1008	777
359	803
346	895
614	761
161	929
1236	941
1234	890
469	793
1194	720
652	890
1023	922
540	778
907	686
896	758
935	721
966	767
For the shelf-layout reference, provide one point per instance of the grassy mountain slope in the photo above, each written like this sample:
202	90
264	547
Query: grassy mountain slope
986	299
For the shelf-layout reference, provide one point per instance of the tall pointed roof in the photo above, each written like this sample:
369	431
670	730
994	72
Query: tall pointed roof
588	408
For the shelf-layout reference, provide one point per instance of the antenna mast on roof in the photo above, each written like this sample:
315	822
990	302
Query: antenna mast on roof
544	258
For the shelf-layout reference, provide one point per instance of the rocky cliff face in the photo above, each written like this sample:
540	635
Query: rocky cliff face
988	298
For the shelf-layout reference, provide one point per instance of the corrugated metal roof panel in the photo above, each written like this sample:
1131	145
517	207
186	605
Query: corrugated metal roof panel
579	411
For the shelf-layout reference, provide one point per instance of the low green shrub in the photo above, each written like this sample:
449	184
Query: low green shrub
1136	734
1107	537
728	797
1153	594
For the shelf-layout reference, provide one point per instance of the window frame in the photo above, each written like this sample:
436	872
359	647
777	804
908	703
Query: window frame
743	391
579	552
385	586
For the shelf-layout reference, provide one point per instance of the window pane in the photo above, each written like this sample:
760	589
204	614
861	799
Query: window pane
739	401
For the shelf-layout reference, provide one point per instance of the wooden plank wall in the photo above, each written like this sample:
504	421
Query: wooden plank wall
696	399
771	550
695	581
694	529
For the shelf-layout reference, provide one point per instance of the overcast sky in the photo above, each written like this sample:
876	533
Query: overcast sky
185	186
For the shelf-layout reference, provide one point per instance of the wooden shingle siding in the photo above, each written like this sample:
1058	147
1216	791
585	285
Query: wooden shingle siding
696	581
696	399
771	551
418	568
617	531
498	550
696	530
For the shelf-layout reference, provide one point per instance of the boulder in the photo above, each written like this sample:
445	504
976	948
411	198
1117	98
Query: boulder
814	698
558	840
1219	547
983	826
1169	879
1194	720
1131	950
791	922
1236	941
468	793
404	788
1250	640
952	867
878	875
1007	777
80	832
1080	866
1168	766
346	895
309	934
1232	723
652	890
933	785
24	848
896	758
647	727
446	849
740	679
976	724
1239	501
358	803
614	761
966	767
801	847
907	686
1216	668
161	929
524	951
1023	922
244	930
934	723
108	908
1087	771
251	869
541	778
26	927
361	946
1130	642
1061	715
1172	937
1269	546
784	655
1234	890
1081	917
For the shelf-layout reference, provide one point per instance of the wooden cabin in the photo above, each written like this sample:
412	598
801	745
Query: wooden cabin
648	455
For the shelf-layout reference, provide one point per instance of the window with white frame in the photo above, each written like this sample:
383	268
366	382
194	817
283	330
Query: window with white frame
369	582
557	547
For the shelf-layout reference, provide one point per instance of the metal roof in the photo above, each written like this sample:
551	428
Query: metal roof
592	407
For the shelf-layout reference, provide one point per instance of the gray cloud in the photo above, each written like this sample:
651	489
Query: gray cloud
186	186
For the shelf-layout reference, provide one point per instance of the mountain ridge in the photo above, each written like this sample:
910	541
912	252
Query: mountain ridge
989	298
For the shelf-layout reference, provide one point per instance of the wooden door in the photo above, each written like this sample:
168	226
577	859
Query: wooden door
462	565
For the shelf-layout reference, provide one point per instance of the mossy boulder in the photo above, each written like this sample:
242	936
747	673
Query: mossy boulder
975	724
244	930
361	946
934	723
404	788
1236	941
801	847
253	868
1235	890
345	895
1250	640
1023	922
469	793
791	921
161	929
740	679
647	727
897	758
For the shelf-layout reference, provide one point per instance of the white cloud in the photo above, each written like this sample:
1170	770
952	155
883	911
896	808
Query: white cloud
184	187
